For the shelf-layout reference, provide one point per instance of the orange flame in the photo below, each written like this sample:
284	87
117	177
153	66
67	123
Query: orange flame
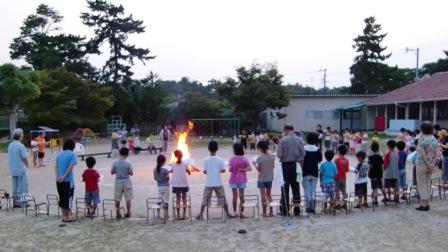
182	144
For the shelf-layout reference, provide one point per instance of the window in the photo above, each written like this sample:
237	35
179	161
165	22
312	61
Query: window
314	115
331	115
356	115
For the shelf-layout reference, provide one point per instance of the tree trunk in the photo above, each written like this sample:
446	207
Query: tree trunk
13	118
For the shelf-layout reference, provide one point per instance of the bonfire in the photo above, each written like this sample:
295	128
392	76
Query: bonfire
182	145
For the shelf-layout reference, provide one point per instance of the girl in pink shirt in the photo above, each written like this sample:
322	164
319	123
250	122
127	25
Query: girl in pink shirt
238	166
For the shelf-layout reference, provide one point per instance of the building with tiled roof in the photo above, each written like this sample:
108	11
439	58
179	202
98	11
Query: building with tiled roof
405	107
423	100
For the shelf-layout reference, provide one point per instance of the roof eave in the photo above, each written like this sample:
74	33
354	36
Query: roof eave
406	101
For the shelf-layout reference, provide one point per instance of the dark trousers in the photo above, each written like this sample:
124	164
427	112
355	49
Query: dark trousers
290	178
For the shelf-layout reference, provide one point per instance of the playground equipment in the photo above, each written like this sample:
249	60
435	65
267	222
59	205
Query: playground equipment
115	123
84	136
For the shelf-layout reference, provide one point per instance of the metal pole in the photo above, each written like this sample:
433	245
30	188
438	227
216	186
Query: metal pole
416	69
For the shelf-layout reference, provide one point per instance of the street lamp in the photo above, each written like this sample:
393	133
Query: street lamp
416	51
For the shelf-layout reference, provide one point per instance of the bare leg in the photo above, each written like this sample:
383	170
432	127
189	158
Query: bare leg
178	203
263	200
117	206
128	207
234	199
184	202
226	208
241	194
269	199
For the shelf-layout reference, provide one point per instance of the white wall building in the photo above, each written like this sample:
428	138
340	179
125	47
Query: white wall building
336	111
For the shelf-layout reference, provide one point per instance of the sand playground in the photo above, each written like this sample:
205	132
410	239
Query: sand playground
387	229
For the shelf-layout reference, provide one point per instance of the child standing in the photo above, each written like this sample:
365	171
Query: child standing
342	165
328	171
376	172
213	167
252	142
361	180
327	138
391	172
352	144
358	142
313	156
161	175
376	138
180	182
402	158
346	138
265	168
334	141
131	144
34	151
365	140
238	166
122	170
91	177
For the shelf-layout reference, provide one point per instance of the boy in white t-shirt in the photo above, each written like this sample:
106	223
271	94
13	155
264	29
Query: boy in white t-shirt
213	167
34	151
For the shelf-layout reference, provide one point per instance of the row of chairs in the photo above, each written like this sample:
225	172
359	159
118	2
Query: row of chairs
157	205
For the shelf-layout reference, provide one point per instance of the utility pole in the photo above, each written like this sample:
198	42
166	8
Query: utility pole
324	80
416	51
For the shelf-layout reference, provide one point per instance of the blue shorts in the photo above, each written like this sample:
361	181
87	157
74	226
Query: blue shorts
328	189
402	179
92	198
238	186
264	185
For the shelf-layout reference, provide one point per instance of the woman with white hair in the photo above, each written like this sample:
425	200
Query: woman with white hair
18	165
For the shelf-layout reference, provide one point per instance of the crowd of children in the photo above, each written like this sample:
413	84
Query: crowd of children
387	174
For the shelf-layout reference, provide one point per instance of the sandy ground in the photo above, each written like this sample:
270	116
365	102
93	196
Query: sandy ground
386	229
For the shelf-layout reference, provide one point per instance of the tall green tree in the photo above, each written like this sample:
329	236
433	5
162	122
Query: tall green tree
196	105
68	101
42	46
151	100
256	89
112	26
16	87
368	73
441	65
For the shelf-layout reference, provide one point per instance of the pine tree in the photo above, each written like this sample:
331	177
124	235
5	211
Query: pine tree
368	73
111	26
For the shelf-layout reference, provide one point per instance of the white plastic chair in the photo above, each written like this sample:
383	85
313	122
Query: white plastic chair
79	149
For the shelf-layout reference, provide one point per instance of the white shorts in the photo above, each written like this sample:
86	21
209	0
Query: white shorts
164	193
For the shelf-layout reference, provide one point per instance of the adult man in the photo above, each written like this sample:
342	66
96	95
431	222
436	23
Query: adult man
65	163
290	151
18	165
135	132
165	137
